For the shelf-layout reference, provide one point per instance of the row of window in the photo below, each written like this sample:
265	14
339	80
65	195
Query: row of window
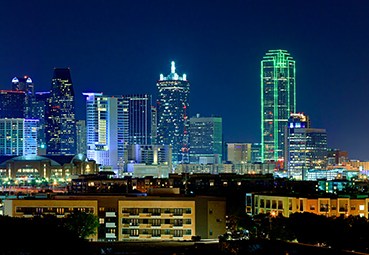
156	222
157	211
156	232
52	210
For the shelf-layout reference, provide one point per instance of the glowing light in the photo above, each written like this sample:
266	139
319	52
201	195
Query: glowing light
173	67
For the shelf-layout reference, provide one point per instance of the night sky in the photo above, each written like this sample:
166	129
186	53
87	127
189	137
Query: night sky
121	47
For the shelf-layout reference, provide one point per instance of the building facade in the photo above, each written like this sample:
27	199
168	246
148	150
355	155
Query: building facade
173	110
135	218
239	153
306	148
81	136
60	117
102	130
12	104
328	206
278	101
18	137
206	140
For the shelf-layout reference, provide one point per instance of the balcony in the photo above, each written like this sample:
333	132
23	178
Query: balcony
145	225
145	215
166	215
167	226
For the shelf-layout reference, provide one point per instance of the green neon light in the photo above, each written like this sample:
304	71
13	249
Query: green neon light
262	110
280	62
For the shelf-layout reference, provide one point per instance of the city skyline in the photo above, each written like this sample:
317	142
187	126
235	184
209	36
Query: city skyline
121	47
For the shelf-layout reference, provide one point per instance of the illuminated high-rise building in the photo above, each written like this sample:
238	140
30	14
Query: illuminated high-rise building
102	130
39	111
173	109
139	118
239	152
25	83
81	137
113	123
18	137
206	140
12	104
278	101
306	147
60	117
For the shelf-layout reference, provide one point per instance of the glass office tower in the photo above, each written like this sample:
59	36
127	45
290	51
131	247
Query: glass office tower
60	122
173	106
278	101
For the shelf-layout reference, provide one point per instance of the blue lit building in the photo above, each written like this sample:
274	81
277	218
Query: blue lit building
18	137
60	121
12	104
306	148
206	140
173	111
113	123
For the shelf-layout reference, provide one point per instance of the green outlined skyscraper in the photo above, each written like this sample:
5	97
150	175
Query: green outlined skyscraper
278	101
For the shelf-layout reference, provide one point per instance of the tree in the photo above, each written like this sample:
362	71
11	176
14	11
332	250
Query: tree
82	224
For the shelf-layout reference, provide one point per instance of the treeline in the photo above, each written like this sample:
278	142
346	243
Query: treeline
342	233
46	234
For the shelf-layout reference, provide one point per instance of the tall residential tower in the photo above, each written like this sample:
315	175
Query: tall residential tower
278	101
173	106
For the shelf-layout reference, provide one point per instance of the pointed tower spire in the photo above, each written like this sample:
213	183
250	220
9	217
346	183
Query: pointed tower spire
173	67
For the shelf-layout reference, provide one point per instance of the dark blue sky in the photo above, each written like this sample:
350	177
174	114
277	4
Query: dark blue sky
121	47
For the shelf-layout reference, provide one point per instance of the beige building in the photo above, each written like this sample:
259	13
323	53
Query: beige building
137	217
239	152
286	205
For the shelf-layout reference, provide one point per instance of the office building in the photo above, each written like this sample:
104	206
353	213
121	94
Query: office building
173	111
60	121
206	140
25	83
12	104
139	118
114	123
18	137
278	101
306	148
81	137
239	152
102	130
154	124
38	111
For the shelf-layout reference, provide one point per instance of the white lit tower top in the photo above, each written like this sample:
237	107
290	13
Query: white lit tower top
173	105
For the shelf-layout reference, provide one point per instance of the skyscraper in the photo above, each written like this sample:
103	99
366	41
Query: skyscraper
206	140
173	109
278	101
113	123
25	84
81	136
139	120
12	104
18	137
61	123
102	130
306	147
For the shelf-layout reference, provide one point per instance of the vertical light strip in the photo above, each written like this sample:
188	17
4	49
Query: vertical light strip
262	110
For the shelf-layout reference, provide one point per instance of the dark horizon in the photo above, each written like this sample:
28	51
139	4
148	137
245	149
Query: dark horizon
121	47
